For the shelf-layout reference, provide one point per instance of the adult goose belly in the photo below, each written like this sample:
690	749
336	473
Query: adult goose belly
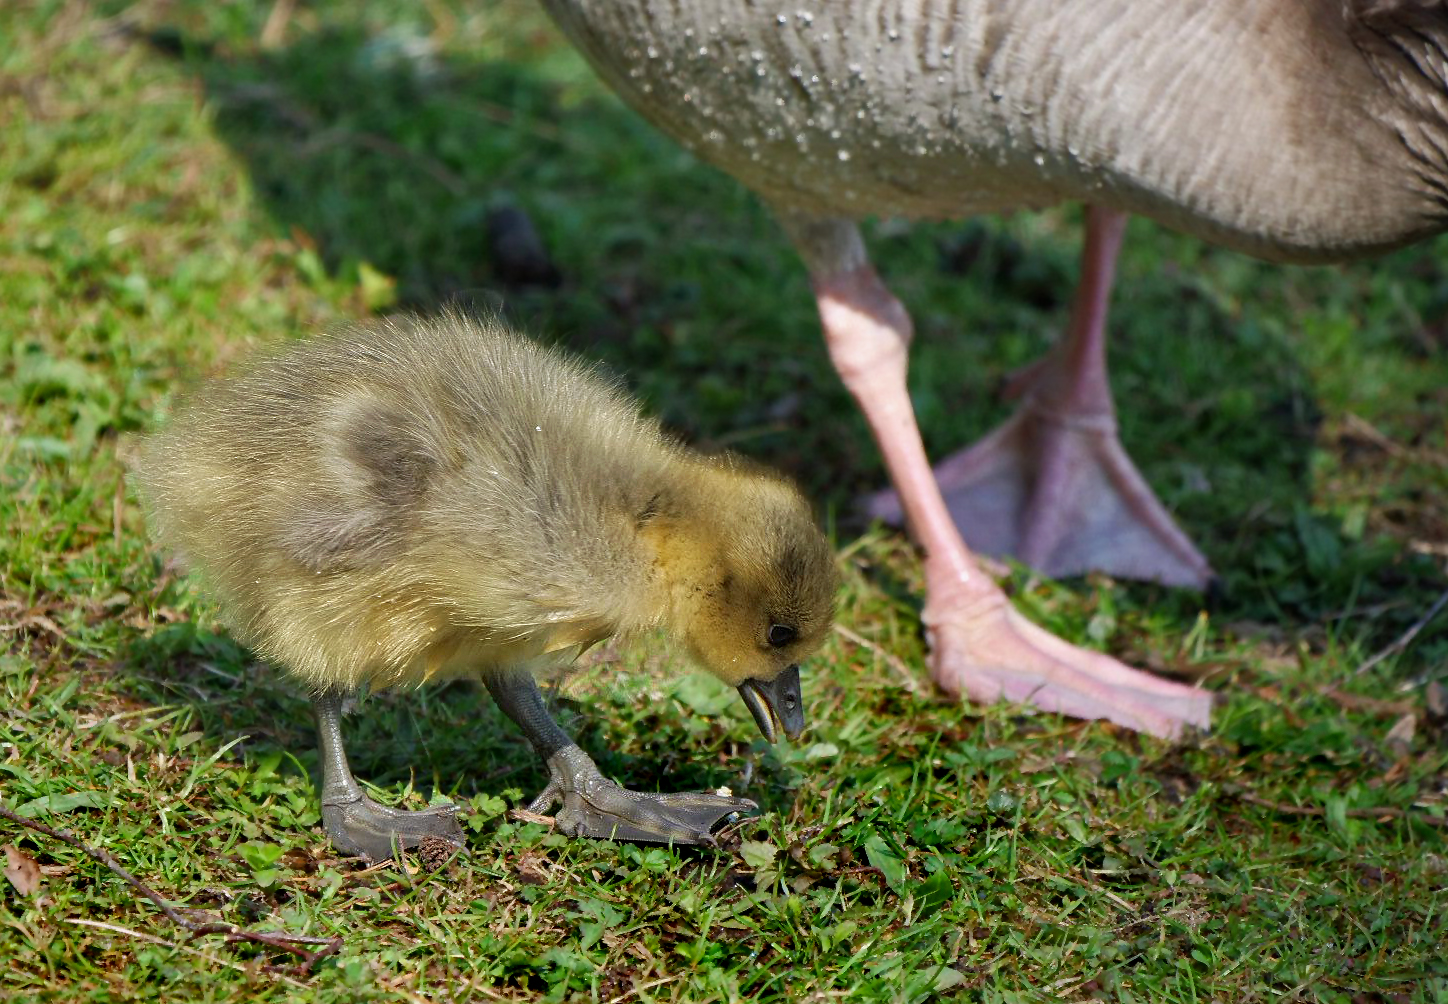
822	112
1261	126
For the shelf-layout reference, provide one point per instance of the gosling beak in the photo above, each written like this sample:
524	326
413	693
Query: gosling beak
776	704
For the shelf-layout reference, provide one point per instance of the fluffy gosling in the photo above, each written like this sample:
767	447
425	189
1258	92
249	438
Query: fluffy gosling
422	499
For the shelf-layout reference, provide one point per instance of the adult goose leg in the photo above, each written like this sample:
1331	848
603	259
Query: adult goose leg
980	645
355	823
592	805
1053	485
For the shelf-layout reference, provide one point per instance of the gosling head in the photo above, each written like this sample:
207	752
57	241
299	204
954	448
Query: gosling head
755	593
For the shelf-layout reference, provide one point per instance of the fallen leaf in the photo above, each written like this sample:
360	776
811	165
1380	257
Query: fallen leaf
1435	700
529	872
945	978
757	854
22	870
1372	705
378	289
1400	737
882	856
61	803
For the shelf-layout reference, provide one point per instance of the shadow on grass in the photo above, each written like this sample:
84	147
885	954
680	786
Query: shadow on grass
449	737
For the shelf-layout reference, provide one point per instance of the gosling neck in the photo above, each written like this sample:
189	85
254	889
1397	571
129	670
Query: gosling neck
683	536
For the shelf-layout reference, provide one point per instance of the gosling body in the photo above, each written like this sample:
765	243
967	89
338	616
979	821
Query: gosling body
419	500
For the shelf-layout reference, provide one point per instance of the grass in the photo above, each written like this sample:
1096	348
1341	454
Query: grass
172	193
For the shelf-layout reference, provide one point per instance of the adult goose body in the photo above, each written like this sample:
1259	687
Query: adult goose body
1294	130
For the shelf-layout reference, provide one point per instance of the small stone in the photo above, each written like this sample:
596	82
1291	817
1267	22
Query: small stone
517	251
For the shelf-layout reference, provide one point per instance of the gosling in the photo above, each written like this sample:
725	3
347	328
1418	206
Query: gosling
422	499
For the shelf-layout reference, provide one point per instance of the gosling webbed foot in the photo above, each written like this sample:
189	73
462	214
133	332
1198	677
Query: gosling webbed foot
594	806
372	830
609	811
355	823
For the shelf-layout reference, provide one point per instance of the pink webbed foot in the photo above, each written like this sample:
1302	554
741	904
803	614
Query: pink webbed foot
983	648
1057	491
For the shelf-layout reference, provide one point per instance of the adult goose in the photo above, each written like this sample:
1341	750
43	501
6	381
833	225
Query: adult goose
1294	130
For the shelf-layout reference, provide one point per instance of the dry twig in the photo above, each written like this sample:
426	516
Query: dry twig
524	816
1316	810
1408	636
285	942
891	659
152	939
274	32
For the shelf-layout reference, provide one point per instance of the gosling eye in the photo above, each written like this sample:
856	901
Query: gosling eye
781	635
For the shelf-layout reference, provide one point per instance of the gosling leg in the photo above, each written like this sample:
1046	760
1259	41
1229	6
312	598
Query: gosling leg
355	823
592	805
